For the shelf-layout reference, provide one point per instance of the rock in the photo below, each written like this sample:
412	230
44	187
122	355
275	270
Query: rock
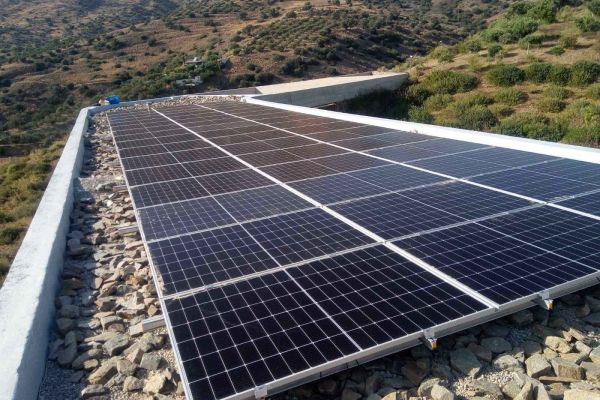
573	357
425	387
93	391
556	379
480	352
349	394
522	318
592	371
557	344
329	387
593	319
64	325
438	392
530	347
511	389
85	356
90	365
132	384
373	396
116	344
465	362
106	371
76	377
126	367
526	392
583	348
496	345
507	362
537	365
556	391
69	311
567	369
151	361
67	355
487	389
414	372
134	354
540	392
577	394
595	355
583	311
155	384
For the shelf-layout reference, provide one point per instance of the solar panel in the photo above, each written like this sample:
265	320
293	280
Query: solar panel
336	188
167	192
350	162
404	153
298	170
570	169
396	177
270	157
457	166
146	162
233	181
448	146
496	265
262	202
588	203
214	166
183	217
200	259
392	215
315	151
508	157
157	174
304	235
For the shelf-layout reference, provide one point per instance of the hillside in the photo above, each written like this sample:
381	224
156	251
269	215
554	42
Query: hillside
533	73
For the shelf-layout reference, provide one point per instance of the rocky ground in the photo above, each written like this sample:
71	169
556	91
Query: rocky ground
108	290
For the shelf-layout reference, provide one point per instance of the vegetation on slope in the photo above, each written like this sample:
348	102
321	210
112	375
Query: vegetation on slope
533	73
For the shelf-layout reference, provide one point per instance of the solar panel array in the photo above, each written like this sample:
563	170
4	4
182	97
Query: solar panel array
286	244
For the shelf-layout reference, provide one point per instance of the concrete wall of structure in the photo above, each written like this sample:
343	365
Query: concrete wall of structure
309	95
27	296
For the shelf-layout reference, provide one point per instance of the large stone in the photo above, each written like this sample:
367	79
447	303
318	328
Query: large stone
577	394
151	361
116	344
85	356
126	367
511	389
349	394
567	369
132	384
522	318
93	391
438	392
593	319
480	352
155	384
329	387
67	355
507	362
487	389
537	366
425	387
465	362
557	344
414	372
530	347
592	371
106	371
526	392
64	325
496	345
69	311
595	355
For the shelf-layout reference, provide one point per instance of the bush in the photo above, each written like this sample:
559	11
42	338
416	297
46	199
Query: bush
419	114
544	10
523	124
474	45
438	102
557	50
567	41
593	91
531	41
588	23
560	74
509	96
478	117
509	30
594	7
294	66
550	105
417	93
500	110
9	234
538	72
494	50
557	92
448	82
505	75
444	54
585	72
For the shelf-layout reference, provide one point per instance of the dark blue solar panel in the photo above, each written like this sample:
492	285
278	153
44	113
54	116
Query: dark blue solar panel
570	169
457	166
335	188
396	177
589	203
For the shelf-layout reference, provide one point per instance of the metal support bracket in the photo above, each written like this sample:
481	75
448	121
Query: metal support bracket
260	392
119	188
545	301
128	229
149	324
429	339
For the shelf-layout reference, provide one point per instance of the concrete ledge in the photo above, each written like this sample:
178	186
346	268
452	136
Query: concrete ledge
27	296
318	92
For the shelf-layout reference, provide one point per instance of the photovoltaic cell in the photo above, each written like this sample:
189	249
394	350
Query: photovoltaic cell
200	259
294	171
206	153
508	157
535	185
392	215
269	158
235	338
570	169
304	235
262	202
147	162
315	150
183	217
156	174
396	177
457	166
350	162
336	188
496	265
589	203
233	181
448	146
214	166
167	192
377	296
404	153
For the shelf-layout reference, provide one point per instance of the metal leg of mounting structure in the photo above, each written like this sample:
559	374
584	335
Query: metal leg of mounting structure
149	324
128	229
119	188
429	339
545	301
260	392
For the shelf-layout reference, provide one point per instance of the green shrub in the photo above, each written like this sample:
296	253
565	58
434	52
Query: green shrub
557	92
588	23
567	41
417	93
544	10
473	45
594	7
585	72
444	54
500	110
505	75
509	96
593	91
494	49
448	82
478	117
419	114
510	30
438	102
538	72
549	104
9	234
560	74
531	41
557	50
